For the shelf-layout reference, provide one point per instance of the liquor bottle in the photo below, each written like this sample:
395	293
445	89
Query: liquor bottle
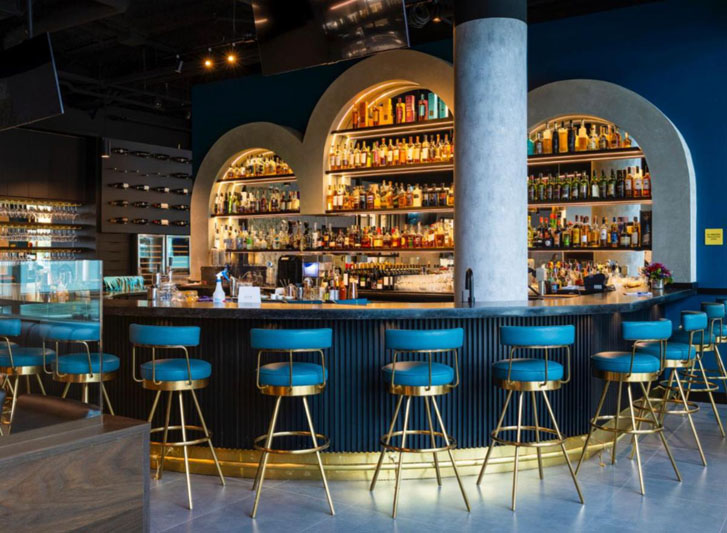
433	106
611	186
614	141
119	203
645	183
572	136
119	185
635	233
183	191
620	184
626	140
603	185
556	138
161	222
161	189
595	190
603	140
584	186
141	187
180	207
563	134
119	220
582	140
181	223
400	115
547	140
629	184
539	144
614	232
639	185
160	206
141	205
410	108
593	139
603	234
140	221
423	108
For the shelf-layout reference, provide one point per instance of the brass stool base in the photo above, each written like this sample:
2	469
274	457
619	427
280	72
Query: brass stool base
301	451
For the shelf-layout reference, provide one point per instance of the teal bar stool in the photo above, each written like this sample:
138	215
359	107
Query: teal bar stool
426	379
170	375
531	375
18	361
627	368
705	340
680	358
290	378
83	367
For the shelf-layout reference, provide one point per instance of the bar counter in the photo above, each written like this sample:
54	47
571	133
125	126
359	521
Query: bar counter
355	407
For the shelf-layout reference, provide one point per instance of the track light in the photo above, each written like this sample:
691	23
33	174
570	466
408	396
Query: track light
208	63
231	58
105	149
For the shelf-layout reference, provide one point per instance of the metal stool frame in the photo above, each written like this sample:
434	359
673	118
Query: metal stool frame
533	387
280	392
18	371
179	387
428	392
599	421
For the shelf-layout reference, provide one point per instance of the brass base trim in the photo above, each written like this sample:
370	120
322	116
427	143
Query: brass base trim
294	391
411	390
175	385
21	370
624	377
527	385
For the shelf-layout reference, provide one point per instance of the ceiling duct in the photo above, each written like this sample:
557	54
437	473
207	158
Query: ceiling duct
65	16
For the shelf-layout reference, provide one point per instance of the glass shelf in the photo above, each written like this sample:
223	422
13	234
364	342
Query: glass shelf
393	129
260	180
393	170
278	214
585	157
598	249
365	251
592	203
393	211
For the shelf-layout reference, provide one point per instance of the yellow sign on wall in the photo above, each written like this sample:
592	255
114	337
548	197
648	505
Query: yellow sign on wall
713	237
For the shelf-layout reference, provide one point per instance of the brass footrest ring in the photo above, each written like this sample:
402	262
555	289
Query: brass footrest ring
181	443
542	444
452	442
654	427
322	439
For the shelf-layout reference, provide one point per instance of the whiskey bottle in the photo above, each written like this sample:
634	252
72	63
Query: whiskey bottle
645	182
142	205
164	190
639	185
160	206
119	203
180	207
181	223
119	220
140	221
119	185
161	222
141	187
547	140
556	138
629	184
183	191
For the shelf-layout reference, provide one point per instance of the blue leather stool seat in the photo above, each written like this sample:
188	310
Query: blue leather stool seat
164	335
25	356
527	369
416	374
291	339
674	350
682	337
74	331
176	369
537	335
620	362
278	374
422	340
77	363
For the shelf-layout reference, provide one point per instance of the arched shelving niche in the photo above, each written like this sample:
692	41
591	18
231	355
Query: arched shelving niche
673	187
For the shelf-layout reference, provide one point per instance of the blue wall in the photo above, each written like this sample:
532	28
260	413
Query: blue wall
674	53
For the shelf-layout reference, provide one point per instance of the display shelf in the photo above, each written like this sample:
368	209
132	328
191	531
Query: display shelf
43	225
260	180
396	211
38	201
592	203
585	157
338	251
393	170
45	249
277	214
598	249
394	129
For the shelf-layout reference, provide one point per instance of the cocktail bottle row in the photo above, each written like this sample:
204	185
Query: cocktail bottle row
407	109
564	138
396	152
388	196
632	183
244	201
257	166
585	232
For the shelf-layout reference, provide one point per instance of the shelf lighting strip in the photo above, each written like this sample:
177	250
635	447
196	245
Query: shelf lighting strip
584	157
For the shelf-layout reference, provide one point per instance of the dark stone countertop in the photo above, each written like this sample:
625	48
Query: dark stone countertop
592	304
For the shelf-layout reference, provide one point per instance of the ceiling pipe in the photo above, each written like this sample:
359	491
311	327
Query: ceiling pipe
70	15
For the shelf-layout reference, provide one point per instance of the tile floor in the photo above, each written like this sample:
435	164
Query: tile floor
613	502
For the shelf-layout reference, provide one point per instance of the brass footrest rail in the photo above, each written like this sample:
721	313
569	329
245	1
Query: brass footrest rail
540	444
390	447
184	442
325	442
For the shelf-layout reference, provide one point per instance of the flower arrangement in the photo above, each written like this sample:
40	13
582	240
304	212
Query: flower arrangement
658	274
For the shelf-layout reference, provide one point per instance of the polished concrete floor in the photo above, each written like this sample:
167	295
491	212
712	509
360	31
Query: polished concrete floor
613	502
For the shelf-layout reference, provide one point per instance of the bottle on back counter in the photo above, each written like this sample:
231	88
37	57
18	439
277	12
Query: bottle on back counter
218	296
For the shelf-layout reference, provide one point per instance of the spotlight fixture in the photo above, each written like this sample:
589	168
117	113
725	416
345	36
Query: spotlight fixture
231	58
105	149
208	63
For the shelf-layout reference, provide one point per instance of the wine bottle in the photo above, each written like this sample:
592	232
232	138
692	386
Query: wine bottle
161	222
140	221
119	185
119	203
181	223
141	187
181	191
161	189
160	206
119	220
180	207
143	205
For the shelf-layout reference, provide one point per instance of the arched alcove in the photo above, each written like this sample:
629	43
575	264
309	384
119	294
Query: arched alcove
284	142
670	162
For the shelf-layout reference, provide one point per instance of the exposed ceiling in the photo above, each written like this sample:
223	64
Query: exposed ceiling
147	54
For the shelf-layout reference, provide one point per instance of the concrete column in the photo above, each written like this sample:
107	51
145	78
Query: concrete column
490	63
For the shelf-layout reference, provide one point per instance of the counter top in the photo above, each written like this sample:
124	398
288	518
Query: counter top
592	304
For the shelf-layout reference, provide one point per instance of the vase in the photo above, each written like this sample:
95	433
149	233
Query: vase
657	284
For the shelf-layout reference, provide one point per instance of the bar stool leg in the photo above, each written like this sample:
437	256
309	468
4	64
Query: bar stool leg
84	393
645	391
401	456
65	390
641	409
106	399
711	397
15	390
562	447
433	439
537	432
492	444
40	383
160	464
207	435
616	423
593	422
388	440
154	406
27	384
264	456
318	454
451	455
667	397
675	375
636	438
184	448
517	449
